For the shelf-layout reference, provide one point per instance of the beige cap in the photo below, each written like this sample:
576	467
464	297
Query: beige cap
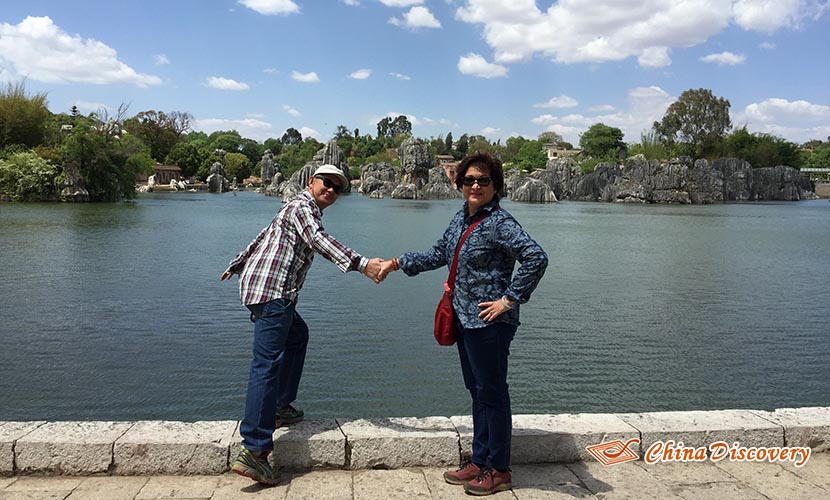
332	170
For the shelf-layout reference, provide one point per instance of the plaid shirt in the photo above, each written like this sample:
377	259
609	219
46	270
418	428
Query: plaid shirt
275	264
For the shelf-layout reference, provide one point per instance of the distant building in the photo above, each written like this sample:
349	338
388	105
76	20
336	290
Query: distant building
555	152
448	163
165	173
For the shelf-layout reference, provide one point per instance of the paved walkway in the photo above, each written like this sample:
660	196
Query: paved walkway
635	480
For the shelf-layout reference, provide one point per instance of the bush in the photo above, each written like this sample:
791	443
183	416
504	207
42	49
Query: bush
27	177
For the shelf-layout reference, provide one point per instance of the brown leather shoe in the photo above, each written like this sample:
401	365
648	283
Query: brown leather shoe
489	481
467	472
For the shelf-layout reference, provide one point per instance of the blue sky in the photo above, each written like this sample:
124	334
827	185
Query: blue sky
491	67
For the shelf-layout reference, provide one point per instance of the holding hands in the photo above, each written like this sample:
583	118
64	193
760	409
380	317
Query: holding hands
378	269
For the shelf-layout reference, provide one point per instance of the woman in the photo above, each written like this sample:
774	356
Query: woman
486	300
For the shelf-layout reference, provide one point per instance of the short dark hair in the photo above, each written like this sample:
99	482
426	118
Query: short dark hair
485	160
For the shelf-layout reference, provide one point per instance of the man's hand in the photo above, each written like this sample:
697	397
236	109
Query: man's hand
226	275
386	267
372	270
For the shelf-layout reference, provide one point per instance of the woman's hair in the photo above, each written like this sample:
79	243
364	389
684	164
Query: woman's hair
481	160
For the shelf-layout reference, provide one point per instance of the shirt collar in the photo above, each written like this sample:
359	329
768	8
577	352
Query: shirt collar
486	208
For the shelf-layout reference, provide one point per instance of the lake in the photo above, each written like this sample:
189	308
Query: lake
115	311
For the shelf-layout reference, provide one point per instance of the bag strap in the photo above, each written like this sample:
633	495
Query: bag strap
450	283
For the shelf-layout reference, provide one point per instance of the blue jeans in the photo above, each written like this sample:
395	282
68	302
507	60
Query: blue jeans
280	341
483	353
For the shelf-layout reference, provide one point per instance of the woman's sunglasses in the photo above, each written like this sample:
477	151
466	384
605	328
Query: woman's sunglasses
482	181
330	184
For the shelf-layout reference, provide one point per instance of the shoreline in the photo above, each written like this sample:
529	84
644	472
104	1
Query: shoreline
207	447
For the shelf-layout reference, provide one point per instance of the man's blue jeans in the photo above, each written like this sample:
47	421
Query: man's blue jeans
280	341
483	353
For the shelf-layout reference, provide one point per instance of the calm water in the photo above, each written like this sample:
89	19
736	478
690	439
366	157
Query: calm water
116	311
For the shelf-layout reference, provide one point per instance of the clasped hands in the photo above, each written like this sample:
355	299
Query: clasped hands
378	269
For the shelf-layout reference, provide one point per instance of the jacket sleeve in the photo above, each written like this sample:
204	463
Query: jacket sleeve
310	230
238	263
533	260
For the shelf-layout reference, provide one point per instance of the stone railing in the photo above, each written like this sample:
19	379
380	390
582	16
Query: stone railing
157	447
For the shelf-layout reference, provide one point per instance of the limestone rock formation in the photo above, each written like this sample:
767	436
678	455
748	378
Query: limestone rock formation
741	182
267	166
415	161
217	180
378	178
407	192
439	186
533	190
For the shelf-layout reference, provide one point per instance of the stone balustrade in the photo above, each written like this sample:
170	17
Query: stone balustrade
189	448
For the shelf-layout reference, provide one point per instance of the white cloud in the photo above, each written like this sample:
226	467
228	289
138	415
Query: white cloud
90	107
654	57
596	31
351	3
490	131
797	121
562	101
770	15
38	49
254	115
601	108
767	45
400	76
218	82
271	7
161	59
291	111
418	17
724	59
401	3
645	106
307	132
361	74
474	64
247	127
305	77
271	71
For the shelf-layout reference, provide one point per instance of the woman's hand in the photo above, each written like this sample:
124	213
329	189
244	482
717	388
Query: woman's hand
492	310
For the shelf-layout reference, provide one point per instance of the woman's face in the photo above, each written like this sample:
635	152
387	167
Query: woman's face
477	195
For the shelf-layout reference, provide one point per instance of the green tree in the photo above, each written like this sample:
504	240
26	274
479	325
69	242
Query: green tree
531	155
27	177
602	141
512	147
292	136
650	146
227	140
448	143
389	128
462	145
273	144
341	131
761	150
23	118
697	118
550	137
159	130
819	157
237	165
189	156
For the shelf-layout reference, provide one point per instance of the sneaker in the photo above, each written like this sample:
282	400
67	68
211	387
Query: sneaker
288	415
257	468
466	473
489	481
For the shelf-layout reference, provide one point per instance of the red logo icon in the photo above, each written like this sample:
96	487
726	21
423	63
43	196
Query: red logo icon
614	452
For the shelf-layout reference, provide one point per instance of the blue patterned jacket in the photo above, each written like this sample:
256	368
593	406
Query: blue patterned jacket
486	261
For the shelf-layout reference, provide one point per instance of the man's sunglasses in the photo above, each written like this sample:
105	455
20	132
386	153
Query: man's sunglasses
330	184
482	181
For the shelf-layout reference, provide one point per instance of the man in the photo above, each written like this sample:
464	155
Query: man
272	269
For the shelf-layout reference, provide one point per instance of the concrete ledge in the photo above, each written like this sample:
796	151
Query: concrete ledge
158	447
10	432
155	447
554	438
309	444
75	448
803	426
392	443
701	428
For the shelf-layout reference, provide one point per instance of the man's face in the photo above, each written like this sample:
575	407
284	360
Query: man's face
323	195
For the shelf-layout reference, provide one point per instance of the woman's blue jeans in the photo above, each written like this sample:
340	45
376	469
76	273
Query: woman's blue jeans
280	341
483	353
